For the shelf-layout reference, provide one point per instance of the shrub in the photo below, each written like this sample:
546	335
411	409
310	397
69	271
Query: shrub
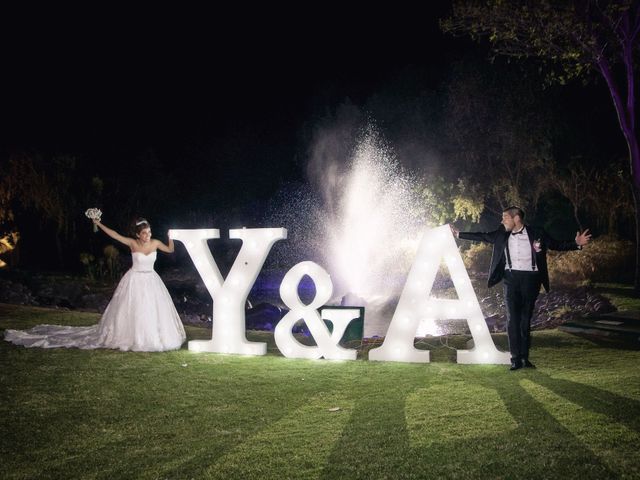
89	262
477	257
111	255
605	259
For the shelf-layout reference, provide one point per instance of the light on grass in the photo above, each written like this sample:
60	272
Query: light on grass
437	244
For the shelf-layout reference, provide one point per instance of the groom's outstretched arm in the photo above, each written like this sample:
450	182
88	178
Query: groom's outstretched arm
488	237
582	238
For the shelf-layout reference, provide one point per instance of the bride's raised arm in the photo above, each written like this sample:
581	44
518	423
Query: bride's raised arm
165	248
129	242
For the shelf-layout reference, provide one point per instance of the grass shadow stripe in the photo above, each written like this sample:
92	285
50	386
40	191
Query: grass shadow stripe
607	439
296	446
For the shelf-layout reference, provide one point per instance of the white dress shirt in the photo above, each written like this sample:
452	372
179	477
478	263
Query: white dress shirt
520	251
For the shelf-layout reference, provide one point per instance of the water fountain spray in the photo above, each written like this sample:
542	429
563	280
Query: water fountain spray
371	220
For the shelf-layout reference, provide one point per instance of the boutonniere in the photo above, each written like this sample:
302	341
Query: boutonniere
537	245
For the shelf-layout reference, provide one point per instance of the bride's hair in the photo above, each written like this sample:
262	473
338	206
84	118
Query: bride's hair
139	224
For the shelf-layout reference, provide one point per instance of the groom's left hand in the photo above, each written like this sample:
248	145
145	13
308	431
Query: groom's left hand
583	238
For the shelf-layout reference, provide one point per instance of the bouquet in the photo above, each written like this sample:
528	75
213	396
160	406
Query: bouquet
94	214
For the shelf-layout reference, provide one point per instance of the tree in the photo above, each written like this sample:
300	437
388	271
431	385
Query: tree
574	184
573	38
609	197
604	193
497	132
40	196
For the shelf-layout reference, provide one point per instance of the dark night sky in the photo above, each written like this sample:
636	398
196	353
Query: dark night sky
238	87
122	80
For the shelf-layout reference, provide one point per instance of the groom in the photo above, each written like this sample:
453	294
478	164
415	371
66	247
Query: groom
520	259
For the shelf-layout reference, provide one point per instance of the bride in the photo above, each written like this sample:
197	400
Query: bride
140	316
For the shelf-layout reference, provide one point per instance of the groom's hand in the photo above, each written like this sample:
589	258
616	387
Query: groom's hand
454	230
583	238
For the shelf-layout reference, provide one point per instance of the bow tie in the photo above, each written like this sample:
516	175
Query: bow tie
518	233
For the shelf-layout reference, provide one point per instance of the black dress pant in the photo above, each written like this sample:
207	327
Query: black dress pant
521	289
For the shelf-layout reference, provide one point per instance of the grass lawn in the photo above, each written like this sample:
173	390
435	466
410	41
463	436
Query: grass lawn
109	414
620	295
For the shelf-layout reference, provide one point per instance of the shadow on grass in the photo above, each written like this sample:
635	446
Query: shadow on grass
623	410
540	442
615	341
134	399
539	445
373	447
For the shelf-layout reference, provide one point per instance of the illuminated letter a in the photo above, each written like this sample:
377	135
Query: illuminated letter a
417	310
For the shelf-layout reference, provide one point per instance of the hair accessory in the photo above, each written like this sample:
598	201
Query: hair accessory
141	222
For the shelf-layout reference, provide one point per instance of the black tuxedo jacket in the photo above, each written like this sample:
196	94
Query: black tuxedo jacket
499	239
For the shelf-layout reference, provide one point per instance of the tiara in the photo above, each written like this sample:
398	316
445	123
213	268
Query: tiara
141	222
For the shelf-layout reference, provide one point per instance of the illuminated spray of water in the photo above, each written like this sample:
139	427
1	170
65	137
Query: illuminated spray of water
372	220
372	234
362	222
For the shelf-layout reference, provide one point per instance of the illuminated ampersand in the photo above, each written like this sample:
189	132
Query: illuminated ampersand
327	342
230	294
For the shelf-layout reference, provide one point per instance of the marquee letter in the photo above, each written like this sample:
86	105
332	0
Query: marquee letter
327	342
417	309
229	296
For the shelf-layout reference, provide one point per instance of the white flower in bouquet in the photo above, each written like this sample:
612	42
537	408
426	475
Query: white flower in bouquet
94	214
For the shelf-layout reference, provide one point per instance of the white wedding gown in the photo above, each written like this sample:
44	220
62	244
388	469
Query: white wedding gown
140	317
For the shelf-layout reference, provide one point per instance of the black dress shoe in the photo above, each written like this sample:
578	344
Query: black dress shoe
527	364
515	365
